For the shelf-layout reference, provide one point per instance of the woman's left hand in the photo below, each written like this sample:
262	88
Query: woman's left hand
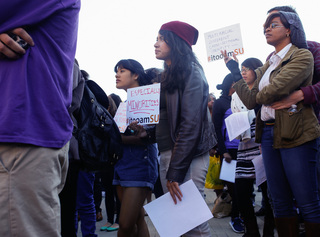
174	190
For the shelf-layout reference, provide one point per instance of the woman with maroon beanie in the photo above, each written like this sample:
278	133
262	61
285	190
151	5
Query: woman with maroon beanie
185	133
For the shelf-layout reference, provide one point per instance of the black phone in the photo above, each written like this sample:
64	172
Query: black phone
20	41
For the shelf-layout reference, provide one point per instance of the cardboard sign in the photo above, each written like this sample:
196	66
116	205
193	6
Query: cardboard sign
143	104
227	38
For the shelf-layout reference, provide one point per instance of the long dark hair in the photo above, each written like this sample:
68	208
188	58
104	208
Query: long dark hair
135	68
182	57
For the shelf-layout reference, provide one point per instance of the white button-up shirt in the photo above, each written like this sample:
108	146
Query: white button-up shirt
267	112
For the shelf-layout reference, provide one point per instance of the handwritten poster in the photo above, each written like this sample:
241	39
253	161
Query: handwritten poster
143	104
227	38
121	117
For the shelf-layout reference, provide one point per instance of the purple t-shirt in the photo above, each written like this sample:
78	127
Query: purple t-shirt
36	89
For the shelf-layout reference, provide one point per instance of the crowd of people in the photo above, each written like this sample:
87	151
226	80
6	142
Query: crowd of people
45	190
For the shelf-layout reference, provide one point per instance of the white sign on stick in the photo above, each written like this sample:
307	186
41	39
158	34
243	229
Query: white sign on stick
227	38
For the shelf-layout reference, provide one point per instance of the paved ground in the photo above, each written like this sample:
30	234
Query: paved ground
218	227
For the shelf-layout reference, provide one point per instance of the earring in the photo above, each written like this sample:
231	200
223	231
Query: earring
287	34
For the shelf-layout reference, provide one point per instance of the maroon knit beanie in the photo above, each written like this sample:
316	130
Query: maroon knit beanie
185	31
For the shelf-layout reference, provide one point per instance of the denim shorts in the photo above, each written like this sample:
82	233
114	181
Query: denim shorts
138	166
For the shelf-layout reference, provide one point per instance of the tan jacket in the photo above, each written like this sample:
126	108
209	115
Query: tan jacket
293	72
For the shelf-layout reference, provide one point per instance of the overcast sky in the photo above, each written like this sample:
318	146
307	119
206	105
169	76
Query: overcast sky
111	30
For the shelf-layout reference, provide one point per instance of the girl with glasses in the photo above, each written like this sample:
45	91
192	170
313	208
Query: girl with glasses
287	136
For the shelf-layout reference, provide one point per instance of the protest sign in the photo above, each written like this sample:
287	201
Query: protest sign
143	104
121	117
227	38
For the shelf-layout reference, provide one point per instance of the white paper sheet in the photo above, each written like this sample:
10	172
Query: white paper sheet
259	168
236	124
172	220
228	171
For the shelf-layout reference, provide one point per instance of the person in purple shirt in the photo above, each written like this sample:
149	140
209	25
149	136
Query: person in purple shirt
35	127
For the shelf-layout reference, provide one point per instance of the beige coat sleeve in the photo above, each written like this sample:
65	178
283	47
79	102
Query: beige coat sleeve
294	71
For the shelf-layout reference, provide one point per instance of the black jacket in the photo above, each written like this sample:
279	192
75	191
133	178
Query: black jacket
220	106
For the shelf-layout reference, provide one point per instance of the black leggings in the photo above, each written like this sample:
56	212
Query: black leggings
244	193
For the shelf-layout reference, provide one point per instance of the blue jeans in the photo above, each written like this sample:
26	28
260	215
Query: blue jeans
291	173
85	204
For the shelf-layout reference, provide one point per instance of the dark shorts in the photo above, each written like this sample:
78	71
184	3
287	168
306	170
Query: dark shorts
138	167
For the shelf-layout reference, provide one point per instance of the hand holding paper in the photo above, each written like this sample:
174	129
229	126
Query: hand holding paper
172	220
174	190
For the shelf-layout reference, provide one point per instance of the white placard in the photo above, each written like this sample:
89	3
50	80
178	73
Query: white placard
172	220
143	104
227	38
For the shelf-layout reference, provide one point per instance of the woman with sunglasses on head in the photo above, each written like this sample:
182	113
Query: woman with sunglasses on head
136	173
185	133
287	136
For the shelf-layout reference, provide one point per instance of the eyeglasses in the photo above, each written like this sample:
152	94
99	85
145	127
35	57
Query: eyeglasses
245	69
273	25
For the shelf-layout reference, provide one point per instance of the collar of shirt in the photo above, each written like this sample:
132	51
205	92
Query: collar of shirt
277	57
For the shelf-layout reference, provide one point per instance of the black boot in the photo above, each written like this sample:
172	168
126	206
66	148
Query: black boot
251	227
287	226
268	226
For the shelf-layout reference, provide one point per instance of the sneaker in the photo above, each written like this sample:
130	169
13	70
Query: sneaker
237	225
114	227
106	226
